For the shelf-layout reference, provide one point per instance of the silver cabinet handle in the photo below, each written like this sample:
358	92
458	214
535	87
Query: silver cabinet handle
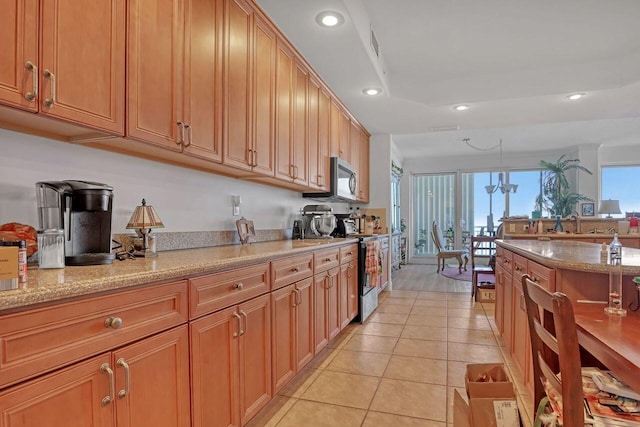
50	101
246	322
250	159
113	322
236	334
299	296
112	388
123	364
254	158
295	297
188	128
30	96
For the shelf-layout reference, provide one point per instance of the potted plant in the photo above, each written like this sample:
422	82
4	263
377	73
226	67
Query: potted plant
556	195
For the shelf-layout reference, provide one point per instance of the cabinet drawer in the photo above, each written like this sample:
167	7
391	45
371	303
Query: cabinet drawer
324	260
543	276
348	253
215	291
519	267
504	259
289	270
42	339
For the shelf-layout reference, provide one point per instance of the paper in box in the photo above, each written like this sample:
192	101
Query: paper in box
488	380
485	412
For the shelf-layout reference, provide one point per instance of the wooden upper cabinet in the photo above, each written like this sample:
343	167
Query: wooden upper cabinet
324	154
264	71
249	90
300	142
334	129
284	110
313	132
154	76
344	149
203	78
354	154
77	72
19	35
363	178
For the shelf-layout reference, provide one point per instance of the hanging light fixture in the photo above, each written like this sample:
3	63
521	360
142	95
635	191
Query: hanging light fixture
502	184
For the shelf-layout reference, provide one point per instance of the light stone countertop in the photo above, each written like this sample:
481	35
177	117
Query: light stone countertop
44	286
569	236
572	255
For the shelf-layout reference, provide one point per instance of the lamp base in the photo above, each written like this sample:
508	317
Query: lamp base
145	249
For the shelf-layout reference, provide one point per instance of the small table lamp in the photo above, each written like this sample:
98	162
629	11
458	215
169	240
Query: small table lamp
609	207
143	219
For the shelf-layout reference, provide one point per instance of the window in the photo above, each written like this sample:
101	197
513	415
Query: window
619	183
480	210
523	202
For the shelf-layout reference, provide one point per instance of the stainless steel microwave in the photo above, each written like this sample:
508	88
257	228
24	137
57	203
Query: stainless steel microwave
342	183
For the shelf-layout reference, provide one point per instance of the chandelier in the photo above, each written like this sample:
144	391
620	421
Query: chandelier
502	184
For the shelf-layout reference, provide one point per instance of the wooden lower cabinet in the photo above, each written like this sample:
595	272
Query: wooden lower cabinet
292	340
326	298
145	384
231	364
348	283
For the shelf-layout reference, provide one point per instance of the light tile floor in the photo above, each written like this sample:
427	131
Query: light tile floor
402	366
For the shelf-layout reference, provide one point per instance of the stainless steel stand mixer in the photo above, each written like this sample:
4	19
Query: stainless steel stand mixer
319	222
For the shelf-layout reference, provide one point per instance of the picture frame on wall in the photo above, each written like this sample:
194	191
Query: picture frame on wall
588	209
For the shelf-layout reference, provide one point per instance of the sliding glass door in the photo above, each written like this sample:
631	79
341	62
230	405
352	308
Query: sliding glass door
433	200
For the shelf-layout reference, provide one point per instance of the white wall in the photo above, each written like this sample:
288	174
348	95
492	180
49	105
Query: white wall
185	199
380	173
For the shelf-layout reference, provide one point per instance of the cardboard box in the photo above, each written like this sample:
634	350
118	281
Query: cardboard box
496	383
486	295
485	412
8	268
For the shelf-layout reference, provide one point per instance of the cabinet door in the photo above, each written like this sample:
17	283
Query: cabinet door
333	302
82	68
507	314
343	296
521	340
363	176
300	143
283	308
384	277
155	391
237	150
284	111
352	289
499	316
354	154
214	369
70	397
154	71
19	35
344	147
320	301
304	323
203	78
255	356
264	56
324	148
313	135
334	129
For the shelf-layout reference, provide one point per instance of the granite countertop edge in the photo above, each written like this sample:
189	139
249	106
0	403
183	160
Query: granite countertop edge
47	286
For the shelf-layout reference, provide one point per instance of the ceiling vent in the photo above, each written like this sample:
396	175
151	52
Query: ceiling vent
444	128
374	43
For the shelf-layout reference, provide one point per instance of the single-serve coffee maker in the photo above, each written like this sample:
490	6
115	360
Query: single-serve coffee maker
82	209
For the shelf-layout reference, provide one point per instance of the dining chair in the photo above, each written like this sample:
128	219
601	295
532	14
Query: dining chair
443	253
555	350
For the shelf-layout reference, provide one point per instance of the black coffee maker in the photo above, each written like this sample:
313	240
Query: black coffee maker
83	210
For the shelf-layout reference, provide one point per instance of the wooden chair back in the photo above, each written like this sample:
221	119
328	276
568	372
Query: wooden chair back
436	235
555	349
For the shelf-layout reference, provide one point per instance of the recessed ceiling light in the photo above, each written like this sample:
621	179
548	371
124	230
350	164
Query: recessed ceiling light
576	96
372	91
329	19
461	107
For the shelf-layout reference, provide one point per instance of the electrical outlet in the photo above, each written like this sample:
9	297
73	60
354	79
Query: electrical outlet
236	210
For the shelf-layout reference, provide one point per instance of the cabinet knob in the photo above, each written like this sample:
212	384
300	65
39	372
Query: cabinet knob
295	269
327	260
238	286
113	322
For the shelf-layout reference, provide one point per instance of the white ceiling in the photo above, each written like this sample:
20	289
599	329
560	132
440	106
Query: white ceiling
512	61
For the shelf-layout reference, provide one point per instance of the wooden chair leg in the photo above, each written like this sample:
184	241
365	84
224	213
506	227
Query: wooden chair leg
459	258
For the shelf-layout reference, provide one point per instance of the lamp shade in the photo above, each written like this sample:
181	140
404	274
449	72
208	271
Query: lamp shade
609	207
145	217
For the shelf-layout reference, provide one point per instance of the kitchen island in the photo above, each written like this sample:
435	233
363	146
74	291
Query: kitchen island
198	337
574	268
